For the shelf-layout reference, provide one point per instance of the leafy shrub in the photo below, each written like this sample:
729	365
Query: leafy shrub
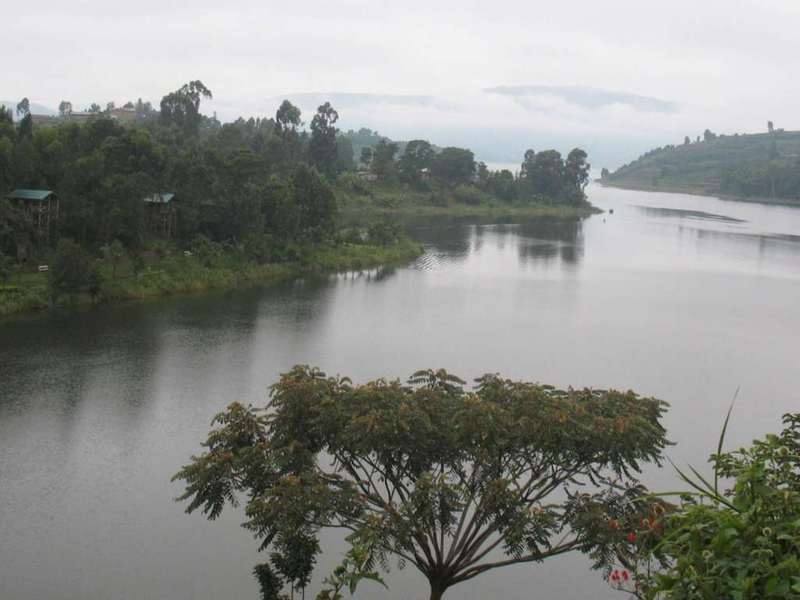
469	194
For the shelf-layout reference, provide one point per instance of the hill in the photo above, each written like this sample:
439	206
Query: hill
763	167
36	109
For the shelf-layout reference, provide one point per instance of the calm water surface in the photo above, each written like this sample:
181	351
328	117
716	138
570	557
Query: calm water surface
681	297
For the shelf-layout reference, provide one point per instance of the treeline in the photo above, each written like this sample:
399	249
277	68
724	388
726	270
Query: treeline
233	182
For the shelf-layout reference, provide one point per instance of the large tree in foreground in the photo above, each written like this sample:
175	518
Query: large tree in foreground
455	482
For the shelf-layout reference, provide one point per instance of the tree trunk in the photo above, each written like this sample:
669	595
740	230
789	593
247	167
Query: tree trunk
437	592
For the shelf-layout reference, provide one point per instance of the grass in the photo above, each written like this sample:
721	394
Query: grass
178	274
404	203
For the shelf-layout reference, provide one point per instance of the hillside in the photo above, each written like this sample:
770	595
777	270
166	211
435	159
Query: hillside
762	166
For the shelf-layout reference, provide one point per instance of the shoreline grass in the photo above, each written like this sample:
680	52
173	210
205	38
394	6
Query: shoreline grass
178	274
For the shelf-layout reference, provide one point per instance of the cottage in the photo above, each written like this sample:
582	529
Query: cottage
162	213
41	204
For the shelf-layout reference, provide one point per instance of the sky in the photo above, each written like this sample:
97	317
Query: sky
616	77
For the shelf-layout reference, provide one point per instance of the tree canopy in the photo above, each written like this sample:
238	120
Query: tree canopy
452	481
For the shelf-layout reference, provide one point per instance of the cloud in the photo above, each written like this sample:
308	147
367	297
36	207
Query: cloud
533	96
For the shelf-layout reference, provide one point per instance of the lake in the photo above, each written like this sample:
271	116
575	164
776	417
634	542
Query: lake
681	297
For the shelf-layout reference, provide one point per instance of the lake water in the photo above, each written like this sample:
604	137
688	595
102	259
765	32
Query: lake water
681	297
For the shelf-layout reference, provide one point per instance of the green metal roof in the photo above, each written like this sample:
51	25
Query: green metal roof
160	198
39	195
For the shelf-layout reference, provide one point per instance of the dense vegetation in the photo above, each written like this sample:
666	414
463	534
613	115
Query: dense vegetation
265	190
762	166
740	543
451	481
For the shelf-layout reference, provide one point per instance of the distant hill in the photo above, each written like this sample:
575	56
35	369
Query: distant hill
763	166
36	109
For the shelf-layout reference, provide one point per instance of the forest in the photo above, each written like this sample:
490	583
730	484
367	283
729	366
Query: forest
136	181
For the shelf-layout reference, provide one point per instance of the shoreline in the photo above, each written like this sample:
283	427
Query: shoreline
702	192
176	275
192	278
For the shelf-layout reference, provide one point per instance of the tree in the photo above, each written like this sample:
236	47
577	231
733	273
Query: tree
95	107
418	155
605	173
64	108
182	107
287	117
454	165
6	267
315	203
366	157
24	108
770	127
454	482
576	173
345	158
686	140
114	253
709	136
288	122
383	164
543	173
110	106
322	148
71	270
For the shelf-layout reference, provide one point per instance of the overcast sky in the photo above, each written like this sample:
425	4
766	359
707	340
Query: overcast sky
499	76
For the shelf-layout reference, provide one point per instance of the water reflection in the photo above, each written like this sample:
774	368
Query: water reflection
545	241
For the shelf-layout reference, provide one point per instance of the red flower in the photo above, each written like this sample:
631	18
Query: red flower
632	538
625	575
614	524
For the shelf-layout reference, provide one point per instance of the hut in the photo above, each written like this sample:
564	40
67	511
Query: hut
42	206
162	213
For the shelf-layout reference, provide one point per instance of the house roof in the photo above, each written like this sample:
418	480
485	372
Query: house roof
21	194
163	198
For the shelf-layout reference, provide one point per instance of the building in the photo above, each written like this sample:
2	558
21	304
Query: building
123	115
162	214
41	204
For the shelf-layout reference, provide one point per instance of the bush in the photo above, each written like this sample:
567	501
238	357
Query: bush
383	234
72	270
469	194
742	543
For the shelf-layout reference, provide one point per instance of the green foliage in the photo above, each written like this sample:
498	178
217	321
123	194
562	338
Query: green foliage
743	543
71	270
269	583
418	156
548	174
454	165
6	268
469	194
315	202
182	107
383	163
322	148
763	166
455	482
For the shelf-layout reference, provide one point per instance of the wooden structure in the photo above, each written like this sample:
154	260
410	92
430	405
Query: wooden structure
162	214
41	204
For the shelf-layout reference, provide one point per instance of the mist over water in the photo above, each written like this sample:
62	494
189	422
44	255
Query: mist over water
680	297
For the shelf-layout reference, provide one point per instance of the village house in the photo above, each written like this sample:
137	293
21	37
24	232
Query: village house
42	205
162	214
